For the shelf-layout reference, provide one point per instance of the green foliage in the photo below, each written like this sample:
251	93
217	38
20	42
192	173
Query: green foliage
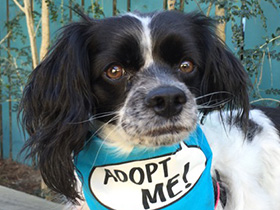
15	67
16	61
15	26
96	11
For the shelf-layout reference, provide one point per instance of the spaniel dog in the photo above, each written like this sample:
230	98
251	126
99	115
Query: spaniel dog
150	111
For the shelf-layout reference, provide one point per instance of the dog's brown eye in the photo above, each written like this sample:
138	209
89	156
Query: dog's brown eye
115	72
186	67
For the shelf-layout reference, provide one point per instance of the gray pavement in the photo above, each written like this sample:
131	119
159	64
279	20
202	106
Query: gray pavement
14	200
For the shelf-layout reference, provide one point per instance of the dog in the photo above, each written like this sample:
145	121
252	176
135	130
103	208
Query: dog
149	81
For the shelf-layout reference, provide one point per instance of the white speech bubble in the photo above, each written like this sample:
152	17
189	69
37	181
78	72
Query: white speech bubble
148	184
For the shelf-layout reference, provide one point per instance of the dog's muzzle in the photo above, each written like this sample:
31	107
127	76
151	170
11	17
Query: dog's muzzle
159	110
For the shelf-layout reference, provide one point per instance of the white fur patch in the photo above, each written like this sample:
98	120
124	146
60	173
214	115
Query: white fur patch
146	39
249	169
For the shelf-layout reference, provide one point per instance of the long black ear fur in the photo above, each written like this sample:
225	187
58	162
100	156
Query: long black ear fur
56	100
224	78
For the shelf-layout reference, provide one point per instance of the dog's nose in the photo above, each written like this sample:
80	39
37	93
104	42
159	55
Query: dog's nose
166	101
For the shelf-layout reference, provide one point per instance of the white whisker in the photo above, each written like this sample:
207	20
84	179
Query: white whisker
104	114
212	94
113	130
217	104
95	117
98	152
105	124
96	131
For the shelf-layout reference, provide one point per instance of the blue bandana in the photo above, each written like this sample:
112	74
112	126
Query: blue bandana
168	177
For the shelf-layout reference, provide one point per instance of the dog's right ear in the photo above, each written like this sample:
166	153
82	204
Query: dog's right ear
224	79
56	102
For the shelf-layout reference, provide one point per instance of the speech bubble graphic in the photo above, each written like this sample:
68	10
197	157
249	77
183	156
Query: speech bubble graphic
150	183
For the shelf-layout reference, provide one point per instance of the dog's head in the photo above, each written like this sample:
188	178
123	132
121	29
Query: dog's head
143	78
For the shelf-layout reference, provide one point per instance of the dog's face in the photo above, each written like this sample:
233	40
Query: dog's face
150	70
148	74
144	77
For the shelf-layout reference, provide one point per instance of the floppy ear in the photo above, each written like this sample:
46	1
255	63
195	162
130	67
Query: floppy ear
56	101
224	79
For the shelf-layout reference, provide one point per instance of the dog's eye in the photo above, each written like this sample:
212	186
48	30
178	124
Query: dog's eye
186	67
115	72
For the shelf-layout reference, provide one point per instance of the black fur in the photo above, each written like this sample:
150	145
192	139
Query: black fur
69	85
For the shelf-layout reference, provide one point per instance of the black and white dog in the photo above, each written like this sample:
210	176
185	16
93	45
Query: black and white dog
146	80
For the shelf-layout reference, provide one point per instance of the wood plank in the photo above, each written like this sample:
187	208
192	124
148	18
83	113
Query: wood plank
14	200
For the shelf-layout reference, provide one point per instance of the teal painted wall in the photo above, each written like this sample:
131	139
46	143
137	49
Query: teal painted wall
253	34
253	37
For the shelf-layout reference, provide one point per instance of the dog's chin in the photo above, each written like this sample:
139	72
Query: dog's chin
116	136
164	139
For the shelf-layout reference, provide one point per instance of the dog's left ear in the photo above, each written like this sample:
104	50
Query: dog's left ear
56	105
224	79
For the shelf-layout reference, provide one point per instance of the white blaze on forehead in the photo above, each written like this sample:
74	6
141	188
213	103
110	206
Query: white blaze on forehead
146	40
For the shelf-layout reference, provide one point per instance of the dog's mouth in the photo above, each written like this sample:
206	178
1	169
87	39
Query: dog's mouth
171	130
149	137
